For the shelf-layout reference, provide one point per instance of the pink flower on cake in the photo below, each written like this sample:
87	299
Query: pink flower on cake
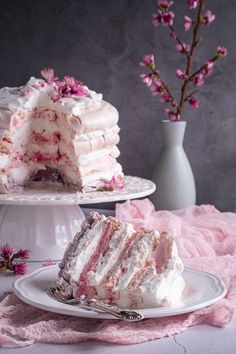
48	75
192	75
117	182
25	93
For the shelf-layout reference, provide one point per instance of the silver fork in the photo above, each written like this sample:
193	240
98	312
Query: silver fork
92	304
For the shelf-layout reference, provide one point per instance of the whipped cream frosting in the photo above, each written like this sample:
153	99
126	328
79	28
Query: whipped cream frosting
28	97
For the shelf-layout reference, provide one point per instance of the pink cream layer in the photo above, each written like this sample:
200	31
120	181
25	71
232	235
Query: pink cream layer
109	228
117	270
42	139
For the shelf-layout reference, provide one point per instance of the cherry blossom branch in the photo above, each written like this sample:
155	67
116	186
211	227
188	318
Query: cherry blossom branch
165	17
190	57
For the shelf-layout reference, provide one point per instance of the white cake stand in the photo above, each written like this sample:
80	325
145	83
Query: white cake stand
45	220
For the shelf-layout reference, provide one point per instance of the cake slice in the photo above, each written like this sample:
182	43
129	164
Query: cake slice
112	262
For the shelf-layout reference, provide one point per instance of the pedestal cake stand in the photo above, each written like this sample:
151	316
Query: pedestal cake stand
45	220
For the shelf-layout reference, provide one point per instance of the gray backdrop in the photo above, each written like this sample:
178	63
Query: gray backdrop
102	42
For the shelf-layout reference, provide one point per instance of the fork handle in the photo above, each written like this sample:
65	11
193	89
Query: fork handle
117	311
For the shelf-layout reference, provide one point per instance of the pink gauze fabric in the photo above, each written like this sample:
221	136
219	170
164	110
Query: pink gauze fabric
206	240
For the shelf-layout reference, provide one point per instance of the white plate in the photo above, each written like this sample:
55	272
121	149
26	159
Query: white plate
135	187
202	289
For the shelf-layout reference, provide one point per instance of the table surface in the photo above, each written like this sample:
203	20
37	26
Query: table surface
198	339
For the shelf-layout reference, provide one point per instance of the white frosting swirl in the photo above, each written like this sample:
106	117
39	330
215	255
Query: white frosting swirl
28	97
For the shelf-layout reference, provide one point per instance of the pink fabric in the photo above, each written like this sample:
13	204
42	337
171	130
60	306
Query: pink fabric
207	241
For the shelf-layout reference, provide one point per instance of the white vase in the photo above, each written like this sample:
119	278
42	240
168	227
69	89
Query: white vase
173	174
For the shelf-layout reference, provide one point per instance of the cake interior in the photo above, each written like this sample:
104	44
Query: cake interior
42	148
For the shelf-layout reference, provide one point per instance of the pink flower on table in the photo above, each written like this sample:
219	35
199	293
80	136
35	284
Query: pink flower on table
20	268
192	4
221	52
167	18
208	68
181	74
147	79
198	80
207	18
148	59
23	254
188	22
6	251
182	48
193	102
48	75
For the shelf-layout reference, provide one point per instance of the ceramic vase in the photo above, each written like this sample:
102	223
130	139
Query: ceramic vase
175	185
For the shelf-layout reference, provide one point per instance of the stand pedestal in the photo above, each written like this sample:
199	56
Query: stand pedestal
44	230
46	220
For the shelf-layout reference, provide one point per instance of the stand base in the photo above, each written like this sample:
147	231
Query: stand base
44	230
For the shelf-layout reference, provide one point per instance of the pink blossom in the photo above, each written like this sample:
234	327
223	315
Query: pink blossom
148	59
167	18
182	48
48	75
208	18
188	22
48	263
165	98
221	52
192	4
164	4
6	250
20	268
157	18
23	254
193	102
147	79
171	115
208	68
157	88
181	74
117	182
25	93
198	80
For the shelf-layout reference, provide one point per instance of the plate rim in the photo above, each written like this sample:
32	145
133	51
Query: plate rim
147	313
